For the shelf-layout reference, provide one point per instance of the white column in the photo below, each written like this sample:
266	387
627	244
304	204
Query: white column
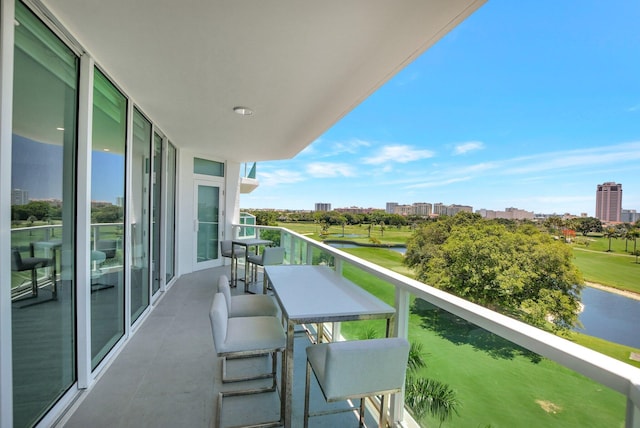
6	109
83	231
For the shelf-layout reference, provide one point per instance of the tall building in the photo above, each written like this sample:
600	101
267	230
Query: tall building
391	206
19	197
609	201
323	206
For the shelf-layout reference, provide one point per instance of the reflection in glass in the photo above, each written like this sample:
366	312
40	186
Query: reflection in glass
42	210
140	178
157	199
208	211
107	217
170	202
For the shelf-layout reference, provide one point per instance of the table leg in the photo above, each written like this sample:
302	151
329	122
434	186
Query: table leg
287	378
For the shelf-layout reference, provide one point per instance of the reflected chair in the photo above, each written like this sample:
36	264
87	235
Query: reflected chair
227	251
245	337
270	256
107	246
356	369
246	306
21	264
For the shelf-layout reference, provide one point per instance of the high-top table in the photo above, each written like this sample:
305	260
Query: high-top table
317	294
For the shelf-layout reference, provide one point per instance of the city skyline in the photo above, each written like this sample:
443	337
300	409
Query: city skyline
523	105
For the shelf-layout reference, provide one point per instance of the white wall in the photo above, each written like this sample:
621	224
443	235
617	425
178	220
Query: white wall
185	201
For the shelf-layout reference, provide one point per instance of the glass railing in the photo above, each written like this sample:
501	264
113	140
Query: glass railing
483	368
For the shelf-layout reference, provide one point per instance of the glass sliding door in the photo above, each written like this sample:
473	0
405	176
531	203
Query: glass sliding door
139	228
157	201
45	92
207	223
170	202
107	217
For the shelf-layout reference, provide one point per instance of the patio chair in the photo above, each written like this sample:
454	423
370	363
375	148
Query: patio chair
270	256
356	369
21	264
245	337
246	306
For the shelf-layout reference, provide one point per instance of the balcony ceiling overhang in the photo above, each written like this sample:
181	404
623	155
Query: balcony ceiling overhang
299	65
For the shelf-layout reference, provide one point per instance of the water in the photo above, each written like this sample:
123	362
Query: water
401	250
611	317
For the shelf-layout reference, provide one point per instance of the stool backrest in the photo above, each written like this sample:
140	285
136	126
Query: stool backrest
273	256
225	247
361	368
16	260
218	315
223	287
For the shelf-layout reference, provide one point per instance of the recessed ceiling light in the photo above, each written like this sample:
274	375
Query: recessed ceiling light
244	111
59	128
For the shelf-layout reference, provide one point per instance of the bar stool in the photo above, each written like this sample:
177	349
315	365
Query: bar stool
270	256
20	264
245	337
244	305
356	369
227	251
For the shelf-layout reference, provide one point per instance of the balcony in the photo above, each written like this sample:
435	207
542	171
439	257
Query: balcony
179	387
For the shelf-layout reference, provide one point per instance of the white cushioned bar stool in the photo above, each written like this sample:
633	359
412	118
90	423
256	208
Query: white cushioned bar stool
270	256
246	305
245	337
356	369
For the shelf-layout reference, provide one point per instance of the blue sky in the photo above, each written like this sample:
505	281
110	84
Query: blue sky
525	104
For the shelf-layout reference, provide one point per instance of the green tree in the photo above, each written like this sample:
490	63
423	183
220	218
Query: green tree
610	233
520	272
586	225
427	396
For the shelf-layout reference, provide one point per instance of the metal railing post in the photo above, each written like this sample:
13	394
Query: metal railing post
401	329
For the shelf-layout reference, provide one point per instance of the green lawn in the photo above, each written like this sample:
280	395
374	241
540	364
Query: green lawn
487	371
619	271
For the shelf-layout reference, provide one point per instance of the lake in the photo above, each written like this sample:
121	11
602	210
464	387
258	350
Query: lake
611	317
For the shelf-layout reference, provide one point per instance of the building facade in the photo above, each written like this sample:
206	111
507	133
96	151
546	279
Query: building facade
609	202
322	206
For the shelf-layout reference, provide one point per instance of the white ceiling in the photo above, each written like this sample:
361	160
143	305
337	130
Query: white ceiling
301	65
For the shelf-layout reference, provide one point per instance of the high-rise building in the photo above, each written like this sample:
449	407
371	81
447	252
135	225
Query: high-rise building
323	206
19	197
609	201
391	206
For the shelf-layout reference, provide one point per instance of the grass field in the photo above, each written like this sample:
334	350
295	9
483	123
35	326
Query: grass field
487	371
498	383
612	269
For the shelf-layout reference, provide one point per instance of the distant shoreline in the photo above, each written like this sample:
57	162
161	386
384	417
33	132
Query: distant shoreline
625	293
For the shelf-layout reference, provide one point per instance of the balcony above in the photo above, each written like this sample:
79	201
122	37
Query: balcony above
248	185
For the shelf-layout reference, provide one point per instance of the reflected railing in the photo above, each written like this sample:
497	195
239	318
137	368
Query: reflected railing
505	371
40	241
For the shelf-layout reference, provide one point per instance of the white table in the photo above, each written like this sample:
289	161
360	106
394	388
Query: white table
317	294
246	243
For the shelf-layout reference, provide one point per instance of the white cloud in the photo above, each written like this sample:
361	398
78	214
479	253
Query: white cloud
583	158
330	169
280	176
469	146
436	183
634	108
398	153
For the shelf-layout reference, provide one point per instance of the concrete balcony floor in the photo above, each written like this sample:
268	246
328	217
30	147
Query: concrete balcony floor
168	374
